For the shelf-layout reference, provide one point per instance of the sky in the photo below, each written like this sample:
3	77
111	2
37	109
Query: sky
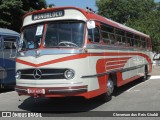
75	3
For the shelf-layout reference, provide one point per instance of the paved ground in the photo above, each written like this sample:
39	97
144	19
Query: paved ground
136	96
156	70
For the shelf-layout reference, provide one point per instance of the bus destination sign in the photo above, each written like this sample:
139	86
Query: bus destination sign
47	15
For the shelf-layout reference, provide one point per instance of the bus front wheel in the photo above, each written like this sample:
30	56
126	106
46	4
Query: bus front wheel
108	95
145	77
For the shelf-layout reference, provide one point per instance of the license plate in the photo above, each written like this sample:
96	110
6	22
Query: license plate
37	91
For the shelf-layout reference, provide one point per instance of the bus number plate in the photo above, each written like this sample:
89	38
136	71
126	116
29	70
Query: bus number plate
37	91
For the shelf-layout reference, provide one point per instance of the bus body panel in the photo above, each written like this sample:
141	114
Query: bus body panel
90	65
93	63
70	14
8	41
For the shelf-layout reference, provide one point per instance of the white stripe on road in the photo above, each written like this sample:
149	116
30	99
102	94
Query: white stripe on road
129	90
155	77
151	78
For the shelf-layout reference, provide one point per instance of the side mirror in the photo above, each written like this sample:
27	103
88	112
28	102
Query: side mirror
91	24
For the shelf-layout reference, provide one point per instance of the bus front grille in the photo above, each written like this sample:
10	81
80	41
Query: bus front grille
42	73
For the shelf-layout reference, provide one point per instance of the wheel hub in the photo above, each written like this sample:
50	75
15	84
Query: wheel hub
110	87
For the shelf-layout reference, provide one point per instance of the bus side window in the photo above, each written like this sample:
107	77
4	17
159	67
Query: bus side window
106	39
94	35
138	41
120	37
9	42
108	34
9	45
130	40
90	35
147	43
143	42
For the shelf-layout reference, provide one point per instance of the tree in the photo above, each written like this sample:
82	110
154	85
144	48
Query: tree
11	12
148	24
51	5
142	15
122	10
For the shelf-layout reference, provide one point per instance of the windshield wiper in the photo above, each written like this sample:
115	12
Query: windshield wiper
63	47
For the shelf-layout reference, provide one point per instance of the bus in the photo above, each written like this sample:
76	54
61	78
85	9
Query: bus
69	51
8	40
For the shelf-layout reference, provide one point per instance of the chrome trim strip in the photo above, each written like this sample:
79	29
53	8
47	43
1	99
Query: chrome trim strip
68	90
113	47
42	68
52	51
20	89
71	83
48	51
44	74
113	71
52	74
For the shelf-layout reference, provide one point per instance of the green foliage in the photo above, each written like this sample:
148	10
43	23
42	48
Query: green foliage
149	24
51	5
122	10
11	12
142	15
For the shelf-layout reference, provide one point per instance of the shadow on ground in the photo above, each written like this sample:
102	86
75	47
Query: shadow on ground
124	88
68	104
6	90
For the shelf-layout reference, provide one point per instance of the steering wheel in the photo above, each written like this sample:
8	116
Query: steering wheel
68	44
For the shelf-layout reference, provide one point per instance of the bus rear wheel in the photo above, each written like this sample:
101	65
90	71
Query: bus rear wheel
108	95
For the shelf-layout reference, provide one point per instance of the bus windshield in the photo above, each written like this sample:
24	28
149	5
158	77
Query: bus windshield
31	37
57	34
64	34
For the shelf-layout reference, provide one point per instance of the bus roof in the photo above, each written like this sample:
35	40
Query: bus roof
4	31
91	16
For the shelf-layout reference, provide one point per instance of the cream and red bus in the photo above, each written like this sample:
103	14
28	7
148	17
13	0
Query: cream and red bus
68	51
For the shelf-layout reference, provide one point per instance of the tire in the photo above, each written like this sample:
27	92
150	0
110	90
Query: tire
108	95
145	77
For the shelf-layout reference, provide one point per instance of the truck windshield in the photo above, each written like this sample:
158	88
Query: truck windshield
57	34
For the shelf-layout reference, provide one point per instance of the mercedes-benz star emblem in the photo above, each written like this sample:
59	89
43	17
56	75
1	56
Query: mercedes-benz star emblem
37	53
37	73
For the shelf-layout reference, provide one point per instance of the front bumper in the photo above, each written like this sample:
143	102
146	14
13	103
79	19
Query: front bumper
52	91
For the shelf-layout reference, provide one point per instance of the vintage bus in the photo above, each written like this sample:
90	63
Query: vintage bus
68	51
8	39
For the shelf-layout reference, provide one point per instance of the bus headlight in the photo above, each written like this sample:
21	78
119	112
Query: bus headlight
69	74
18	75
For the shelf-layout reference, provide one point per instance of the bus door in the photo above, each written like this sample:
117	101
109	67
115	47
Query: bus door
1	62
9	53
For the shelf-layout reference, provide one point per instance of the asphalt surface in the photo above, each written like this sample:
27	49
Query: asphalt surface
135	96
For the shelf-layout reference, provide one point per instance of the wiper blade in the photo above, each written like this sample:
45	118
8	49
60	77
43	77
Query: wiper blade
63	47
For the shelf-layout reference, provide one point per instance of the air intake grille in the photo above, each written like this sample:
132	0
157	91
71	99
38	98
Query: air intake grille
42	73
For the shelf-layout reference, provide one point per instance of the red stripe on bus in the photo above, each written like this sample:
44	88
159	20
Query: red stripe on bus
80	56
73	57
25	62
114	67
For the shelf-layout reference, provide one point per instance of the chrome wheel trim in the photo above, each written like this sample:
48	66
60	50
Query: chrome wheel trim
110	87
